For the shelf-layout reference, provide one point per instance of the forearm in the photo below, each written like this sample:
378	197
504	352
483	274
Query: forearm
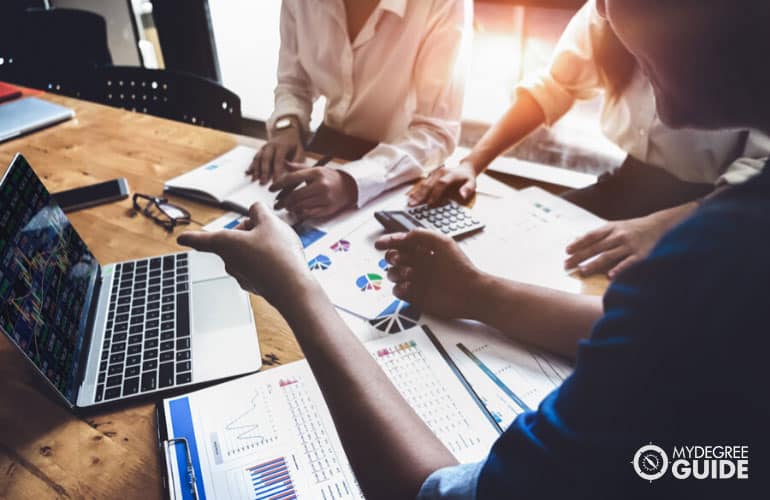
425	144
670	217
524	116
369	412
550	319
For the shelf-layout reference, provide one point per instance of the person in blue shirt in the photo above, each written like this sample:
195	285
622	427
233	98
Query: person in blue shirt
673	356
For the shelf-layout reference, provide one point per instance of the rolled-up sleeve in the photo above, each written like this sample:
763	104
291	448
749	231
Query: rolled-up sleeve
294	93
434	130
573	73
752	161
452	483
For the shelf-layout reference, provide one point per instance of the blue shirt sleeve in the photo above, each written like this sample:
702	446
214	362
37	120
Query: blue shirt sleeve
675	360
452	483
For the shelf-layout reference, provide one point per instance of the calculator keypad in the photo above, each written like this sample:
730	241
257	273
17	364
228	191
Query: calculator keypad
451	219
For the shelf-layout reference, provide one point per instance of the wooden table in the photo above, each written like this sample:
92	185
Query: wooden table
46	451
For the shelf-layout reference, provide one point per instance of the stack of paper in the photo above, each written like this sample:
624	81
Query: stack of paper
526	236
271	435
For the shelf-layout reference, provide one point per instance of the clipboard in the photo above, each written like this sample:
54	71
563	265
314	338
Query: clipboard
195	447
165	444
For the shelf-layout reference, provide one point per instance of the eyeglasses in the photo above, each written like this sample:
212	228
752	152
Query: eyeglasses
161	211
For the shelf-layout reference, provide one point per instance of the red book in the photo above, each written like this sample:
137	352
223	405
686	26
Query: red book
9	92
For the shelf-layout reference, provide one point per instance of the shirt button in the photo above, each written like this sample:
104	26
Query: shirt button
642	132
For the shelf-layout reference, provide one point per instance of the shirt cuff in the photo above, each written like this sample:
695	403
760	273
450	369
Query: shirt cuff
289	105
452	483
741	170
369	176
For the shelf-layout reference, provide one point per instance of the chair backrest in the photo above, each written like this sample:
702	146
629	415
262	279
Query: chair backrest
47	49
168	94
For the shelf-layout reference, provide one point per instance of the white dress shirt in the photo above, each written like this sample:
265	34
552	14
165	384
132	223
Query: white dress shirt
400	83
631	121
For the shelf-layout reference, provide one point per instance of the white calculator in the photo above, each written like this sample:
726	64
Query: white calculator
450	218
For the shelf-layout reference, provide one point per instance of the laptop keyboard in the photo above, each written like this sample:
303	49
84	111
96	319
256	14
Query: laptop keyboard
147	338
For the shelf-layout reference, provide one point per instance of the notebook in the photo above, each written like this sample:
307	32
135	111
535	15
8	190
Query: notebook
29	114
270	435
223	182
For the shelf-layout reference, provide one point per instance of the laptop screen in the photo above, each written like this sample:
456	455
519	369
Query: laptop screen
46	278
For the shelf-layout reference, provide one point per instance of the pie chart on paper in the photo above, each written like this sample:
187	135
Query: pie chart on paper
397	317
369	281
320	263
341	246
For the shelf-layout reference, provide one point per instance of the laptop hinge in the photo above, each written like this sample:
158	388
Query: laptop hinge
89	333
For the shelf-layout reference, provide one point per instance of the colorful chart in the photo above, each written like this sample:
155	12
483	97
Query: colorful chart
384	264
404	346
320	263
308	234
341	246
369	281
397	317
272	480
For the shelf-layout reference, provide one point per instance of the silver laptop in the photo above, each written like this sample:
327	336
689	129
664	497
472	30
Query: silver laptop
26	115
100	334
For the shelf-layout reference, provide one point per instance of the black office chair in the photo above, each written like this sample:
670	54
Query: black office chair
168	94
50	49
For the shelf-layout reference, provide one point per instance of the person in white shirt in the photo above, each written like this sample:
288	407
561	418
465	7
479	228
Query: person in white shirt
667	171
390	74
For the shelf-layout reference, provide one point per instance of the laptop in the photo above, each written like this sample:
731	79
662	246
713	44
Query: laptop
26	115
100	334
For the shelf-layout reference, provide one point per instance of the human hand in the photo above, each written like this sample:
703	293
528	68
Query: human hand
443	179
620	244
262	253
432	272
269	162
325	192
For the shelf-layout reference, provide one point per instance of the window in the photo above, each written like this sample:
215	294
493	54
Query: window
509	42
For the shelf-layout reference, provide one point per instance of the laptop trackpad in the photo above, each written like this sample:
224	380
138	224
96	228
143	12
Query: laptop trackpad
205	266
219	305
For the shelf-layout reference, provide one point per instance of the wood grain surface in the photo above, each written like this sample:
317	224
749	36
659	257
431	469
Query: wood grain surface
45	450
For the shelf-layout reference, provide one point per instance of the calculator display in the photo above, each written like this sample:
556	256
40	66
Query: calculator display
404	219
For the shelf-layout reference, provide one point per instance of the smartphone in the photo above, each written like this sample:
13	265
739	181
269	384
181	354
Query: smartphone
90	196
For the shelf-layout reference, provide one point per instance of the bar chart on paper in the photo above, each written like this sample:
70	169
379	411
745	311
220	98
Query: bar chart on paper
425	380
269	436
271	480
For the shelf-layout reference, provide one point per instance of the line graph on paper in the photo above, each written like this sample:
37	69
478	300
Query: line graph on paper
529	373
248	431
551	368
